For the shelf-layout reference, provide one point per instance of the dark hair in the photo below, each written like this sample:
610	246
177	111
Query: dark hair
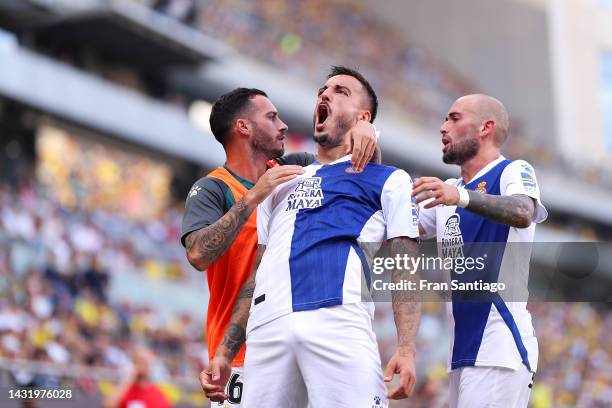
224	110
340	70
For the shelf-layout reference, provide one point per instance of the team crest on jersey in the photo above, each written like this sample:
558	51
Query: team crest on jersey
481	187
307	194
377	402
452	241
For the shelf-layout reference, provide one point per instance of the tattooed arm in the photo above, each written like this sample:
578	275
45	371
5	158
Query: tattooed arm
407	314
514	210
406	307
214	378
206	245
235	336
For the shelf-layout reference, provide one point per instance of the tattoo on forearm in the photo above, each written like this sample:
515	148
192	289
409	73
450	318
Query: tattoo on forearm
211	242
235	336
406	305
515	210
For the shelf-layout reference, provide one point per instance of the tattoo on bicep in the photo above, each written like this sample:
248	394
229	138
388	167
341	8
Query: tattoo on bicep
515	210
214	240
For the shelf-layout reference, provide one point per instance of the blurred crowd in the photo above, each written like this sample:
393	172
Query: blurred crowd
305	37
56	269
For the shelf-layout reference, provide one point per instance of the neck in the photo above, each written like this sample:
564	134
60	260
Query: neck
246	163
471	167
330	154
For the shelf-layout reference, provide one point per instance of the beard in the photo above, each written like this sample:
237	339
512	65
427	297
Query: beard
460	152
266	143
335	136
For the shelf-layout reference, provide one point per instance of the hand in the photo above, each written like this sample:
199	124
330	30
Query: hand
402	363
214	378
362	144
442	192
270	179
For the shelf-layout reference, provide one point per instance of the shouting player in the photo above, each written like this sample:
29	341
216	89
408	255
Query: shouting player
310	337
494	351
219	227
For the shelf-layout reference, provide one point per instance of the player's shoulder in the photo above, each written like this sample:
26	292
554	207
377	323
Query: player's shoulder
207	184
385	168
300	159
390	173
519	166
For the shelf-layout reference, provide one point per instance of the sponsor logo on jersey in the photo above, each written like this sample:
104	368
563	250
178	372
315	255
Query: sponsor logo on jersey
481	187
194	191
307	194
452	240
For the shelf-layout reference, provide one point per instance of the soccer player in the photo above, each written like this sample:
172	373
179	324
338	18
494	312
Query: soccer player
310	338
494	351
219	228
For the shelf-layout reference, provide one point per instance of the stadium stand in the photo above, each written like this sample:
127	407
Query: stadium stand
79	249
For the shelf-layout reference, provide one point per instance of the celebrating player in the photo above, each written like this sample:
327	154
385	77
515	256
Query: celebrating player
310	337
495	202
219	228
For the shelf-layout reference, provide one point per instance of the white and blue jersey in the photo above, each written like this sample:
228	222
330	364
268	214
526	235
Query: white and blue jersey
493	332
313	226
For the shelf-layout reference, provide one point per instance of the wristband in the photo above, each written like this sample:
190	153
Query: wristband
464	197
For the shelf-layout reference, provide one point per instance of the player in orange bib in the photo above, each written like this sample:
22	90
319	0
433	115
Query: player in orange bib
219	226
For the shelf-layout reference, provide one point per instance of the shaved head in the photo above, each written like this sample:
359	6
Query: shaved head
489	108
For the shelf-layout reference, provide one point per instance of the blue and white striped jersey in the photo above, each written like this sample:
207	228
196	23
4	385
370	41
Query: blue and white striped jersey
496	332
313	226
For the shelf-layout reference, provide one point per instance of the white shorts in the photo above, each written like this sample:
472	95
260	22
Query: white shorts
233	389
317	358
490	387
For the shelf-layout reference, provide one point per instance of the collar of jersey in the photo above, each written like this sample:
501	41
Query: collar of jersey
340	160
484	170
248	184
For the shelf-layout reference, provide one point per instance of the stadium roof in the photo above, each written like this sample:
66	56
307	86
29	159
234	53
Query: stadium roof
119	31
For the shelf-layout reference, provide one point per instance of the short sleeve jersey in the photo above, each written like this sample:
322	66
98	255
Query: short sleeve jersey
208	200
496	332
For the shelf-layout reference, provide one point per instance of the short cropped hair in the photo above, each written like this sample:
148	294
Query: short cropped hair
373	99
227	107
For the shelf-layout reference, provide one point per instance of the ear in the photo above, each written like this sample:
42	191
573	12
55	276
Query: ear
487	126
364	115
243	127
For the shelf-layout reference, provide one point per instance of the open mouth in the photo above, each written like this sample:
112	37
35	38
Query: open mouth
446	144
322	115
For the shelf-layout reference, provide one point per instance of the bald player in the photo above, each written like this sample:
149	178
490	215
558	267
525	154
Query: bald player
494	351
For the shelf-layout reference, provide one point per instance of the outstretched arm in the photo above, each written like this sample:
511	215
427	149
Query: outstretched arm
407	314
514	210
214	378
